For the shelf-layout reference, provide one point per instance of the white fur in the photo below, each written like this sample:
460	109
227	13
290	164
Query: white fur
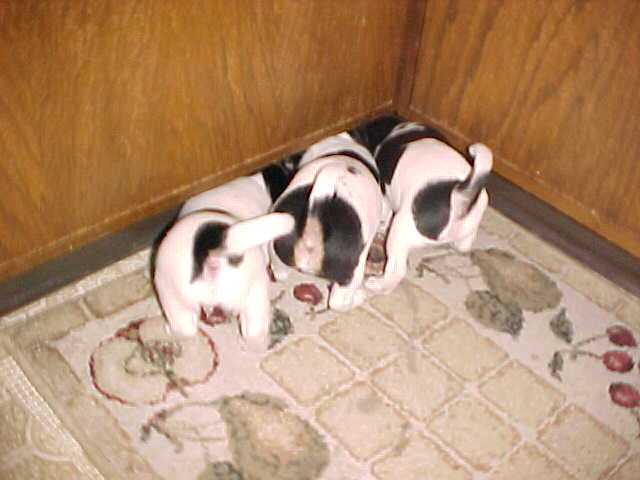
424	162
244	204
361	191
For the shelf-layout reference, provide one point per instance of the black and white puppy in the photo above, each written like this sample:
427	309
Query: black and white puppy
337	204
435	195
215	255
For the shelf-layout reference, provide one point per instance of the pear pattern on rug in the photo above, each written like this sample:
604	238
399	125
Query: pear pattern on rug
517	282
514	286
265	439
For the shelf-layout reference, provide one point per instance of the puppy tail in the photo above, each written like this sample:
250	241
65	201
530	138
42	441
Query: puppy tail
468	190
325	183
257	231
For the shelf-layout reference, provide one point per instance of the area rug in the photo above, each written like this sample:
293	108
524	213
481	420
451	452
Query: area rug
510	362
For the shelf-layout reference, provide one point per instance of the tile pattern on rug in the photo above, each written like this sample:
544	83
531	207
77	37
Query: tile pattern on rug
512	361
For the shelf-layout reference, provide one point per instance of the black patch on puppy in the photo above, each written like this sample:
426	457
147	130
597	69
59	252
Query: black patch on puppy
296	203
342	238
292	162
431	208
210	236
276	177
392	148
359	158
371	134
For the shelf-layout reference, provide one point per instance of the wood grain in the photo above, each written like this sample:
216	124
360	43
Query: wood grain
551	86
406	73
112	110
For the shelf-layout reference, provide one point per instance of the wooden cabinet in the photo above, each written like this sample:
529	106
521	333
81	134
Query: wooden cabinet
552	87
111	110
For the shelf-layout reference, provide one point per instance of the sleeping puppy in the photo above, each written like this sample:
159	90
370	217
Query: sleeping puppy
215	256
337	204
435	195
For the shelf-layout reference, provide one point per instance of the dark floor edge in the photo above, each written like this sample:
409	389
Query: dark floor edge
51	276
570	237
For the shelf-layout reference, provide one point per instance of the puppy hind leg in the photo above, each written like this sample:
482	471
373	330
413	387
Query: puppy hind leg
464	244
255	319
344	298
181	318
398	246
387	214
187	326
279	269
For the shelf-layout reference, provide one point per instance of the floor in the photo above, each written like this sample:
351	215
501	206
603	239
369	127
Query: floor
514	361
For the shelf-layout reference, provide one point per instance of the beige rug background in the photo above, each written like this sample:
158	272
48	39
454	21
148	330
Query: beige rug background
491	365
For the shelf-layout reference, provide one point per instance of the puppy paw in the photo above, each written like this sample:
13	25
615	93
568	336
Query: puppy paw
359	297
380	285
187	328
341	299
464	245
344	299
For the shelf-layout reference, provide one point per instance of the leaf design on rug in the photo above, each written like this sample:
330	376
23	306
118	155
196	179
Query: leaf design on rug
445	264
141	363
191	421
514	281
614	360
561	326
556	364
622	394
268	441
280	327
220	471
488	310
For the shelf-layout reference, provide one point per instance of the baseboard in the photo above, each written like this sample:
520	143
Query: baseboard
55	274
561	231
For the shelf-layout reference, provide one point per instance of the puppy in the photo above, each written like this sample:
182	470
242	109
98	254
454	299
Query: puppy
337	204
215	256
435	196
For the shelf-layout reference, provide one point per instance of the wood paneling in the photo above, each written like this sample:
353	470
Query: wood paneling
406	73
552	87
111	110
